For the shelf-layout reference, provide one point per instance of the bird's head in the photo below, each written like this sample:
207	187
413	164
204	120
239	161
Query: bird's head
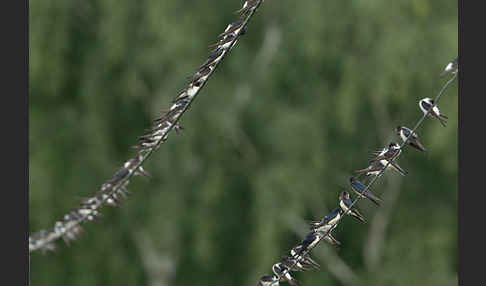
344	195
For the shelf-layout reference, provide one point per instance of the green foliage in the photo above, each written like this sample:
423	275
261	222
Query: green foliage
298	105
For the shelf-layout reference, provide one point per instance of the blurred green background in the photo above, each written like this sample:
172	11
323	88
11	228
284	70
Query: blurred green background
296	107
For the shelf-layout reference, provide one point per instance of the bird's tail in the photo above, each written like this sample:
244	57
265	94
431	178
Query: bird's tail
242	10
311	261
417	145
231	30
443	119
398	168
293	282
334	240
358	216
373	198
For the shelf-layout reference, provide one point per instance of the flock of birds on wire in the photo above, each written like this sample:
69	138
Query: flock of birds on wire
299	259
115	189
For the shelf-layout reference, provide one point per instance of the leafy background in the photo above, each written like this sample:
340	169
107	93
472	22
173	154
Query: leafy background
297	106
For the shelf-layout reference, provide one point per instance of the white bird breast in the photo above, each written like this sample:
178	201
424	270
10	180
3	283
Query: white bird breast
436	110
449	67
402	135
343	206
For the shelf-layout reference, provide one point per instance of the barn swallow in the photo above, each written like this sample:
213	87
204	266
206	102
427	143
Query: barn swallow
386	154
374	168
298	253
413	141
452	67
345	204
224	43
247	6
213	56
283	272
359	187
231	28
295	264
139	171
119	175
196	78
268	280
311	240
181	95
425	105
326	223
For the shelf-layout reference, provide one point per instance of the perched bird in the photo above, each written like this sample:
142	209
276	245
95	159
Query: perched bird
119	175
345	204
213	56
374	168
426	104
359	188
311	240
295	265
224	43
231	28
283	272
199	76
326	223
268	280
413	141
392	150
247	6
298	253
139	171
452	67
386	154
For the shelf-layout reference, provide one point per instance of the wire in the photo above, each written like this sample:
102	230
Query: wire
419	123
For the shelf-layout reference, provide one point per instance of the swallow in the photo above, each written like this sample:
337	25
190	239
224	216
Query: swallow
427	103
374	168
298	253
345	204
196	79
139	171
247	6
393	150
295	265
231	28
213	56
413	141
311	240
386	154
359	188
119	175
268	280
325	224
452	67
224	43
314	237
181	95
283	272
